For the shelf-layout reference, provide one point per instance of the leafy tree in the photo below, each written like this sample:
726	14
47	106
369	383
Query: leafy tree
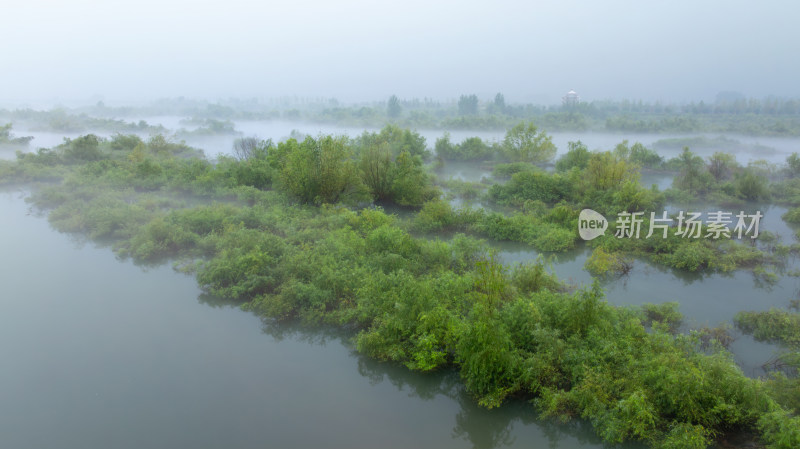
606	171
693	176
246	148
83	148
721	165
500	102
320	170
532	185
398	140
468	105
622	150
498	106
5	132
7	137
376	170
444	148
526	143
125	142
393	108
750	186
644	156
471	149
411	185
474	148
638	154
577	156
793	164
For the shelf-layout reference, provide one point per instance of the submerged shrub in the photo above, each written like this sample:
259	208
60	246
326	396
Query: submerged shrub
773	325
602	263
665	313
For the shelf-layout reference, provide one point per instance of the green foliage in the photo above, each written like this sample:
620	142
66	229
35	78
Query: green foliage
125	142
376	170
645	157
692	256
471	149
751	186
665	313
393	108
792	215
638	154
531	278
397	140
721	165
207	127
319	170
538	232
602	263
606	171
42	156
532	185
468	105
577	156
437	215
508	170
686	436
630	196
410	185
402	180
693	176
526	143
793	164
7	137
82	149
668	124
463	189
489	364
780	430
498	106
773	325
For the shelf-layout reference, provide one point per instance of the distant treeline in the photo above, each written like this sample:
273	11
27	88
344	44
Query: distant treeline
766	117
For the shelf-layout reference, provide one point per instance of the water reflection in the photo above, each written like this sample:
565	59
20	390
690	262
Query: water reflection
515	424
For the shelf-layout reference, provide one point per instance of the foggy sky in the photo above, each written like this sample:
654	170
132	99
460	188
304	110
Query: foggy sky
679	50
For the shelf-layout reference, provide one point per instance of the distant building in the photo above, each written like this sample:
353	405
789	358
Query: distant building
570	99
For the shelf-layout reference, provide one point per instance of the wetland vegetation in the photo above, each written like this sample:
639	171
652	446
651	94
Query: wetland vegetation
300	231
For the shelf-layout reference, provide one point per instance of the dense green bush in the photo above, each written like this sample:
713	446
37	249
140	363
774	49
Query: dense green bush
508	170
602	263
577	156
532	185
319	171
396	139
471	149
774	325
526	143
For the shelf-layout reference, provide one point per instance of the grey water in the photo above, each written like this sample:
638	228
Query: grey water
97	353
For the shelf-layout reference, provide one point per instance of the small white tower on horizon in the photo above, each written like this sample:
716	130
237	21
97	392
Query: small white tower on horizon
570	99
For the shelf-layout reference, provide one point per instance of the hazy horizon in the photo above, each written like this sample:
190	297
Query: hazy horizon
359	51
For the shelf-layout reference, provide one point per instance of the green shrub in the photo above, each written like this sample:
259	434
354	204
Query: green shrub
602	263
577	157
